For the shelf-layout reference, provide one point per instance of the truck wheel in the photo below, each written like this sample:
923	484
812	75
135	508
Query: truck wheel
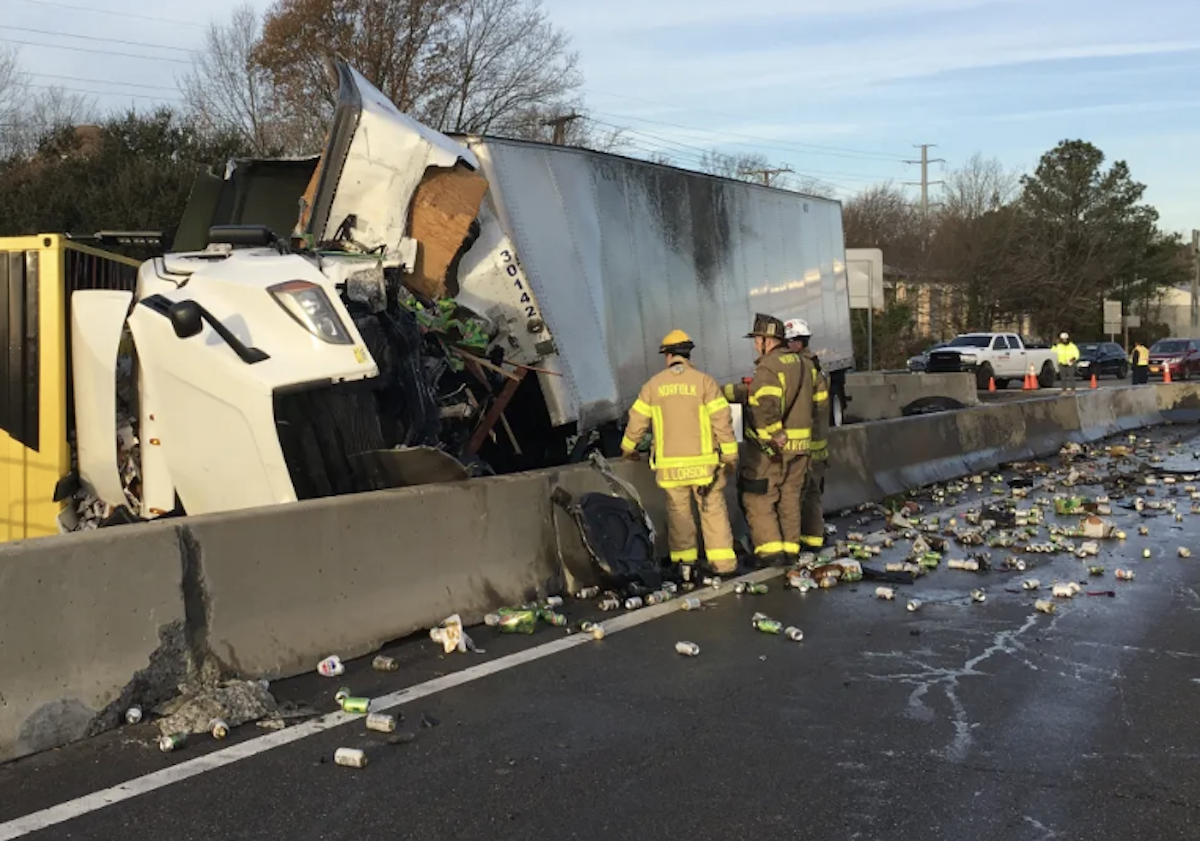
982	375
1046	378
1002	383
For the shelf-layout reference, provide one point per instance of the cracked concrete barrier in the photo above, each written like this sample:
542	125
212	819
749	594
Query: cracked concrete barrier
1178	402
89	623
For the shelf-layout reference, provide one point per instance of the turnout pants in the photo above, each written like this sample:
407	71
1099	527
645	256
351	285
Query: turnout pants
812	518
714	524
1141	374
1068	376
771	497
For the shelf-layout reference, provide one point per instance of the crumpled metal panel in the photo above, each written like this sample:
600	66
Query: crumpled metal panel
620	251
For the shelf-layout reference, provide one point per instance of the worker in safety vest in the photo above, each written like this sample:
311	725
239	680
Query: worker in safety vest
780	406
694	450
1068	358
1140	360
812	516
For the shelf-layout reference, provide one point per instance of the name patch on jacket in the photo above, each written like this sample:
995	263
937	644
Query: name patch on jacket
677	390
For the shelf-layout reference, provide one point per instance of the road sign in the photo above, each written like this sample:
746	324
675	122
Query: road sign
1112	317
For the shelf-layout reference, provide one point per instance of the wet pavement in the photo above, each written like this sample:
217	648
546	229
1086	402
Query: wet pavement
962	720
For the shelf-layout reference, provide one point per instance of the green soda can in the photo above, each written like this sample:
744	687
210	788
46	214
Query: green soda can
766	624
355	705
518	622
1095	570
342	694
172	741
750	589
555	619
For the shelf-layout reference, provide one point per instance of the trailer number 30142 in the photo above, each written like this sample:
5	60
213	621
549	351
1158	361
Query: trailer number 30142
513	270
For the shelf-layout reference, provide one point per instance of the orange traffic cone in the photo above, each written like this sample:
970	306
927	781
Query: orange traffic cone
991	383
1031	383
1094	381
1167	374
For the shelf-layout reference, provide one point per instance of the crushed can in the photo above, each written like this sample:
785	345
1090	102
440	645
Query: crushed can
885	593
687	649
609	604
692	603
593	628
358	706
331	666
518	622
1031	584
172	742
978	596
1124	574
1144	531
1095	570
557	620
913	605
766	624
588	593
1063	591
1044	606
1185	552
350	757
794	634
381	722
383	663
218	728
133	715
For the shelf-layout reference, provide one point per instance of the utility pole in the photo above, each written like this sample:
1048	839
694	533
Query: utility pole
925	183
1196	283
767	174
560	126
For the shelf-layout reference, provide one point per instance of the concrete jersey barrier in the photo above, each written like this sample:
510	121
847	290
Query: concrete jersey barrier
93	622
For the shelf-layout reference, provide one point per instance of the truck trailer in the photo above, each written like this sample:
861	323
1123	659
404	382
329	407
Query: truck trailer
282	350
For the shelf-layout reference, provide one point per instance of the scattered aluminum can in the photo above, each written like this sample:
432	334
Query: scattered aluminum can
885	593
687	649
133	715
1063	591
969	566
218	728
381	722
1185	552
691	604
1075	587
1044	606
1095	570
593	628
1120	535
794	634
978	596
383	663
554	601
750	588
913	605
1143	531
766	624
1124	574
609	604
1031	584
1145	553
172	742
634	602
896	567
670	587
331	666
713	581
492	620
342	694
555	619
350	757
358	706
657	597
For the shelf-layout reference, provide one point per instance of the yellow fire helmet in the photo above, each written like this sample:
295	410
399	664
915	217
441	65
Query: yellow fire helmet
675	341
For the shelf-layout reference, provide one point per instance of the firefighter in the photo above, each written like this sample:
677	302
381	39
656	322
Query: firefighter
694	452
780	404
812	517
1141	364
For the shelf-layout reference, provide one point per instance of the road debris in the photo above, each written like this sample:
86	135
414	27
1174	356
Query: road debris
687	649
381	722
357	706
133	715
218	728
750	588
978	596
765	624
885	593
913	605
350	757
1124	575
692	603
383	663
453	637
331	666
233	703
1044	606
588	593
794	634
172	742
594	628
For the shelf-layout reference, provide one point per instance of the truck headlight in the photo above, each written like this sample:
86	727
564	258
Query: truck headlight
967	358
308	304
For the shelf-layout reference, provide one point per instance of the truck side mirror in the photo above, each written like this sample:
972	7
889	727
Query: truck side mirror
185	318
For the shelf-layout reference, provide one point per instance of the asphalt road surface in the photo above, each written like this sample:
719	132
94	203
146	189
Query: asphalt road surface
959	721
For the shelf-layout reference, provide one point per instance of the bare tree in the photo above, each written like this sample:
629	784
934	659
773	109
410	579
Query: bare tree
978	187
882	217
13	86
226	91
503	58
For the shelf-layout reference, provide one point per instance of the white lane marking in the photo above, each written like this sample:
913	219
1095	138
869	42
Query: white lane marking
138	786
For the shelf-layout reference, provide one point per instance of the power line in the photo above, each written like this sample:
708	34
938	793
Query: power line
98	52
98	38
106	82
108	93
841	150
130	15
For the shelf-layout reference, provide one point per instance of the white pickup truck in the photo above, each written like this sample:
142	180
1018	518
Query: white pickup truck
1003	356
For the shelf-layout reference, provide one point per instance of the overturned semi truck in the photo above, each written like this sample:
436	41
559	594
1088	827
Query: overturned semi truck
406	307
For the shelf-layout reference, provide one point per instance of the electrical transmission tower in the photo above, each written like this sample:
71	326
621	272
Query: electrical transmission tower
925	183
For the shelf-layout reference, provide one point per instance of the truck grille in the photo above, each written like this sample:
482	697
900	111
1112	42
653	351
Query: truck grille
944	363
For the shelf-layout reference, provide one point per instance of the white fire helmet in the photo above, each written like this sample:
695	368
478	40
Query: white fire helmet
797	328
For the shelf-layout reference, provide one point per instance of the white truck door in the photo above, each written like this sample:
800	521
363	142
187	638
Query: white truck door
1000	357
1019	356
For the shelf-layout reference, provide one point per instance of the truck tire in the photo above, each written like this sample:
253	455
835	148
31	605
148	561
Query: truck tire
1123	372
1002	383
982	375
1047	376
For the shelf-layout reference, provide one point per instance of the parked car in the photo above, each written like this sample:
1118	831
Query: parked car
918	363
1181	356
1104	359
998	356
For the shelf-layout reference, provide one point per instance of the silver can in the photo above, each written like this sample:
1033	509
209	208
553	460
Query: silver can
350	757
913	606
218	728
383	663
554	601
687	649
133	715
588	593
885	593
633	602
794	634
381	722
978	596
692	603
609	604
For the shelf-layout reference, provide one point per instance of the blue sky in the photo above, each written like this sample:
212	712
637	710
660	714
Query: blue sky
838	89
